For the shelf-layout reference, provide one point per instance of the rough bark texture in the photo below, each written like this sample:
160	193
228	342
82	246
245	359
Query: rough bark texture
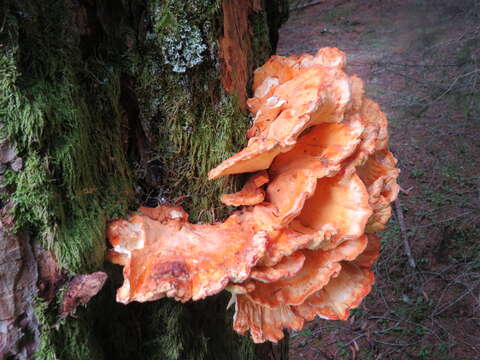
18	326
110	105
235	47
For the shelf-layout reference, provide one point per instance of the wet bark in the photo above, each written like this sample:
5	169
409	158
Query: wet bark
19	334
109	105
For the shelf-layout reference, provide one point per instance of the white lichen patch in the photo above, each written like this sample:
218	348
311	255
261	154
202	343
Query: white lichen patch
183	48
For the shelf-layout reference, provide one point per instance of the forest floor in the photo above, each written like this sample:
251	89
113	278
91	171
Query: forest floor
421	62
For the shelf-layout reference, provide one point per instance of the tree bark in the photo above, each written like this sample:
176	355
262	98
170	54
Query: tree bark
271	351
108	105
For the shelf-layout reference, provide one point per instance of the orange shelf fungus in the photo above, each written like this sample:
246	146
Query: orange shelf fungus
251	193
168	256
303	240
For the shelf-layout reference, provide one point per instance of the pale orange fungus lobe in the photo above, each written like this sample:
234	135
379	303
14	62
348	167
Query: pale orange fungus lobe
303	240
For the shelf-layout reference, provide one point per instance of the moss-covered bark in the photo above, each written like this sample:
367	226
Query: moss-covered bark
191	123
113	104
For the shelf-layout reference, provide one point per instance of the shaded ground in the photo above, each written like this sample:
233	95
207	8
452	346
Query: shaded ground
420	61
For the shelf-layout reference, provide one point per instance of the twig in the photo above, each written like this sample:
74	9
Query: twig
425	84
429	330
446	220
407	191
393	344
406	244
452	84
379	63
325	355
474	86
449	305
302	5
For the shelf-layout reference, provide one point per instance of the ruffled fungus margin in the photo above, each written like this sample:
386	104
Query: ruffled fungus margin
303	241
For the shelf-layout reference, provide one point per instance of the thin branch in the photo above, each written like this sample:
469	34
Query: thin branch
406	244
452	84
446	220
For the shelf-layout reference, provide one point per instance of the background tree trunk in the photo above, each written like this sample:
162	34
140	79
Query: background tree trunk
107	105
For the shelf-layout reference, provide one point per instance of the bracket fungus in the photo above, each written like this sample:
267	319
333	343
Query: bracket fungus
303	240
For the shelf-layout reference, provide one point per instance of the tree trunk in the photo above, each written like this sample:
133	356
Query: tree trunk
271	351
107	105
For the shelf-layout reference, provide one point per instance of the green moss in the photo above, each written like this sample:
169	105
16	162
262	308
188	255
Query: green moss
46	349
187	335
174	342
260	38
64	117
199	137
67	339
